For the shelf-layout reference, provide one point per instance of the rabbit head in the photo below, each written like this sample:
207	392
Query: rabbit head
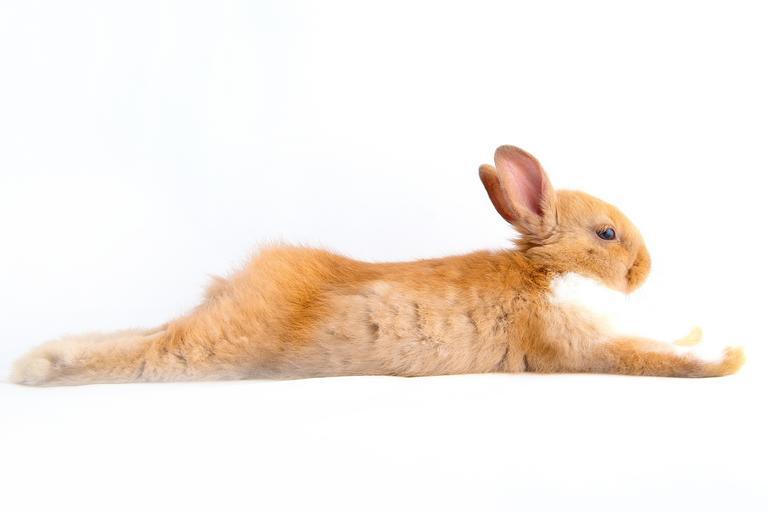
568	230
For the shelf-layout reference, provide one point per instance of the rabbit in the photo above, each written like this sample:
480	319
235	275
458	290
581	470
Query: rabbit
295	312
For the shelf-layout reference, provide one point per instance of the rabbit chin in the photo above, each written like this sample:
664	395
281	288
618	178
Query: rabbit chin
617	286
628	282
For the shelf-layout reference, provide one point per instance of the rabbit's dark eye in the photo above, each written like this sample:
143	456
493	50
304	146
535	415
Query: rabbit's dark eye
606	233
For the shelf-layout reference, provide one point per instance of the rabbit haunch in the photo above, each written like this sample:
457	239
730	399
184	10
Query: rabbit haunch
299	312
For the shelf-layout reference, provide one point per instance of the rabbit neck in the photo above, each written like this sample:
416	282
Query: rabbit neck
540	271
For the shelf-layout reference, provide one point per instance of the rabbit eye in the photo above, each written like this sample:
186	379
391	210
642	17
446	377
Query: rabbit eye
607	233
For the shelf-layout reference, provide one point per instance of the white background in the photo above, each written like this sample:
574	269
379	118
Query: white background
147	144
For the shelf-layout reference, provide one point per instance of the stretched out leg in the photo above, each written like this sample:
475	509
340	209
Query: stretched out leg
637	356
172	353
87	358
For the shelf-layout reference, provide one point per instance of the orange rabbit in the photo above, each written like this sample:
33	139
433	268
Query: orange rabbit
296	312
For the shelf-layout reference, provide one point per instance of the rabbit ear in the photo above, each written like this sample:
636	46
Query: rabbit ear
490	180
520	190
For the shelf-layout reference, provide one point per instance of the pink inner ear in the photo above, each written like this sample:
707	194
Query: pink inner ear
522	177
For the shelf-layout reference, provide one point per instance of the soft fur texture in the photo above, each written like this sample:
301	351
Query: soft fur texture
297	312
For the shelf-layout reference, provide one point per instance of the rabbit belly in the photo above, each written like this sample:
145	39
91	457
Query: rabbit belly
386	329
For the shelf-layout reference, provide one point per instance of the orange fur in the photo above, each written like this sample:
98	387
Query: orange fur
298	312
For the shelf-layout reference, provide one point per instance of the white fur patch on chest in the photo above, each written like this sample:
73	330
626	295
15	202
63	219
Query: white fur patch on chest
585	297
573	290
589	298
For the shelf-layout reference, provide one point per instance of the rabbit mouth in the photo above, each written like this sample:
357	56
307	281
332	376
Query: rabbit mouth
633	278
638	271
